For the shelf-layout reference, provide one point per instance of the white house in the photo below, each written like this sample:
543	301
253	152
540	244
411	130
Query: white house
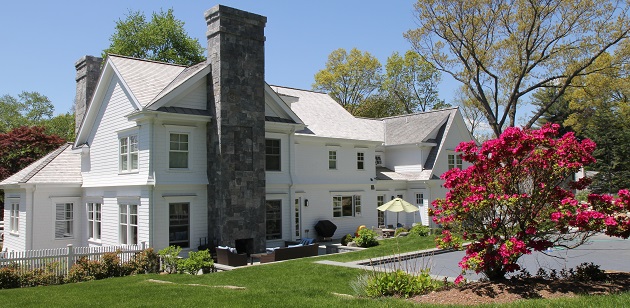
173	155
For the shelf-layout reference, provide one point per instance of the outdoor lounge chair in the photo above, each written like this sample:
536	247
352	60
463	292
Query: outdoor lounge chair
226	257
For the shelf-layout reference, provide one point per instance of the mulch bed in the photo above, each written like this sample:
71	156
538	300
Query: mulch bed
528	288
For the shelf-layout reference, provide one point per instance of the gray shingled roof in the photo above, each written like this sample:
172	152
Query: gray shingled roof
181	78
183	110
383	173
146	79
326	118
415	128
61	166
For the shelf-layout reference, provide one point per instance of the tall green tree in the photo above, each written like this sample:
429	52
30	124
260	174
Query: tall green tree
412	82
349	78
162	38
558	113
600	110
504	50
28	109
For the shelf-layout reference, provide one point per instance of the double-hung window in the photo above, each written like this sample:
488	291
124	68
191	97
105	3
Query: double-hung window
360	161
332	160
64	220
420	199
454	161
346	206
272	155
178	151
94	221
14	217
128	160
128	224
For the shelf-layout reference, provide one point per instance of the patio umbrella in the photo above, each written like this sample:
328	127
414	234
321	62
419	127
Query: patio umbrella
398	205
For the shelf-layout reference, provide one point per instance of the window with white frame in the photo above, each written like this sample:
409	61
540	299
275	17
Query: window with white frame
360	161
380	200
274	219
128	160
128	224
14	217
454	161
178	151
94	220
420	199
378	160
179	224
272	154
332	160
346	206
64	220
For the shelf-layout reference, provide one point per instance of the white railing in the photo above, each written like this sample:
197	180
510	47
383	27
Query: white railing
60	260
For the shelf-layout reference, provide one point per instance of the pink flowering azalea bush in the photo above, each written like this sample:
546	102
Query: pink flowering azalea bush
517	197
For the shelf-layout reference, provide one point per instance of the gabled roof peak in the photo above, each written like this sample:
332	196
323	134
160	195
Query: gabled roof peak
145	60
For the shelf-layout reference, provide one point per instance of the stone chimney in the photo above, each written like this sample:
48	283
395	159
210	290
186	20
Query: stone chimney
236	136
88	71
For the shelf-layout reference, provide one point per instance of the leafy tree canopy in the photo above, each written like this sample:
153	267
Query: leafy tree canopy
22	146
349	77
412	82
503	51
163	38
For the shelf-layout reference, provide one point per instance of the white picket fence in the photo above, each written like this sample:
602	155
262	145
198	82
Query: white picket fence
60	260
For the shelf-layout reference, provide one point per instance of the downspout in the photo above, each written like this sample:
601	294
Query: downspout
291	193
30	218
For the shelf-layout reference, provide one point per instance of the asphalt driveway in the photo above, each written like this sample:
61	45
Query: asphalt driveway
608	252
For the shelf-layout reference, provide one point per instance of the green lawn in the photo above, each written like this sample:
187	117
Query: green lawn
300	283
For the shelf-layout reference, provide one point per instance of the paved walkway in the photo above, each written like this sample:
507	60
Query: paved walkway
608	252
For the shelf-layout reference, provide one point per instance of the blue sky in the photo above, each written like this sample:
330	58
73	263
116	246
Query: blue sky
41	40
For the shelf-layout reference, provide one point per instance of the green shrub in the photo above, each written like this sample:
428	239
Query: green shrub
588	272
366	238
84	270
200	260
9	278
399	230
42	276
399	283
110	266
146	261
346	239
420	230
170	258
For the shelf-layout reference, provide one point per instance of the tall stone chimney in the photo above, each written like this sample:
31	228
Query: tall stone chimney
236	136
88	71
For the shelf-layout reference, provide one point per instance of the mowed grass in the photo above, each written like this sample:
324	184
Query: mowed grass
294	283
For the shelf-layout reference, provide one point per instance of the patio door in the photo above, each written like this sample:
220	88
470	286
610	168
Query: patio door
297	218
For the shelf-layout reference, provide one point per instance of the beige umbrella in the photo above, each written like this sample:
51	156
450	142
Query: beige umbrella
398	205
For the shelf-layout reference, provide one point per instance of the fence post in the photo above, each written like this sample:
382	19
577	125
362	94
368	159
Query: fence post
70	258
144	245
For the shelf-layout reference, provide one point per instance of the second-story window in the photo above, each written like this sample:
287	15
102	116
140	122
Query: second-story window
128	153
272	153
332	160
454	161
378	160
360	160
178	151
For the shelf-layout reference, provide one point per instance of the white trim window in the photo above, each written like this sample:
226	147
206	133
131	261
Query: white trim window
455	161
128	153
420	199
272	155
346	206
128	224
178	151
332	160
378	160
64	220
179	224
380	200
360	161
94	221
14	217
